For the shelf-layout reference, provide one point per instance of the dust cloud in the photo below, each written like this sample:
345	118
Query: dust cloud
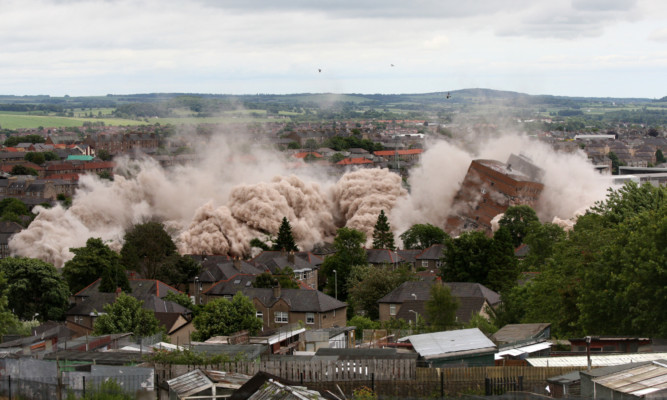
235	191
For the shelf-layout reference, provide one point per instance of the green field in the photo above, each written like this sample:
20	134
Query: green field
26	121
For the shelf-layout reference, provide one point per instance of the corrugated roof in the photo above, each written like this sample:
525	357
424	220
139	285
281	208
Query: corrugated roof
450	343
523	350
637	381
596	360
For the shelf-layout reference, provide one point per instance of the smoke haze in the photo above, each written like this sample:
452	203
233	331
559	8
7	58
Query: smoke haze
238	191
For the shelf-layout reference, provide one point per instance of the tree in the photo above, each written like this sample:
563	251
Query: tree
8	320
541	240
50	156
14	140
383	238
615	163
255	242
441	308
336	157
23	170
659	157
124	315
147	247
183	300
95	260
224	317
285	240
517	219
104	155
35	157
283	278
503	266
35	289
373	283
349	252
422	236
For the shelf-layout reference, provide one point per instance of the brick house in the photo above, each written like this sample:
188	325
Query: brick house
278	307
304	264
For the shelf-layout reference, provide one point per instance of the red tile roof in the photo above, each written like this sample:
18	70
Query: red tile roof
305	154
400	152
354	161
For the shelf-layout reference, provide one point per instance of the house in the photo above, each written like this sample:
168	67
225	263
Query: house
89	301
464	347
473	298
409	256
431	257
278	307
218	268
210	384
646	380
383	257
304	264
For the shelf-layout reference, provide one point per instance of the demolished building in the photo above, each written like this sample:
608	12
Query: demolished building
489	188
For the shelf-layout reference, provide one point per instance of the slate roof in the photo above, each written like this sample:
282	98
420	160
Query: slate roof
140	288
409	255
216	271
298	300
460	290
231	286
95	304
382	256
433	252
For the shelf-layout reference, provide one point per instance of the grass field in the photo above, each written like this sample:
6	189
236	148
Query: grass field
25	121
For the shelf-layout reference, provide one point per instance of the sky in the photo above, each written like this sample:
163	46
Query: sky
596	48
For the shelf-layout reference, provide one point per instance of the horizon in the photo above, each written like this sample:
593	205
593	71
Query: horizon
573	48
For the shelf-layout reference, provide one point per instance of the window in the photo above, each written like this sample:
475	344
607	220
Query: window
259	315
392	309
310	318
425	263
281	317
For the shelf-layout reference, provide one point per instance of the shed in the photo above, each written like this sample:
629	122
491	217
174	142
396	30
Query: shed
630	381
198	384
464	347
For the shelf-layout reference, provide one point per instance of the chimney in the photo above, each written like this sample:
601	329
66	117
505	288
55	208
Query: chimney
290	257
237	263
276	291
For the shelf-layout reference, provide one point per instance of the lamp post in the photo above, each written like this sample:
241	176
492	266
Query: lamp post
196	290
335	284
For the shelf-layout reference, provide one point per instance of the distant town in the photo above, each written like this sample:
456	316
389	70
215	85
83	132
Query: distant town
313	285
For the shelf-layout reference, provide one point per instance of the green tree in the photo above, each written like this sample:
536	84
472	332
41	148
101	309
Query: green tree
615	162
35	157
224	317
8	321
283	277
255	242
126	314
95	260
35	288
183	300
23	170
375	283
517	219
105	175
503	266
349	251
147	248
422	236
14	206
50	156
336	157
466	258
541	240
383	237
441	308
104	155
285	240
14	140
659	157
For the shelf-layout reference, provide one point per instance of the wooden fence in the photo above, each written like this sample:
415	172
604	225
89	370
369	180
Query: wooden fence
388	378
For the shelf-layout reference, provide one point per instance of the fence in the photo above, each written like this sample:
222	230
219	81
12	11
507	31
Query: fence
389	378
73	387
